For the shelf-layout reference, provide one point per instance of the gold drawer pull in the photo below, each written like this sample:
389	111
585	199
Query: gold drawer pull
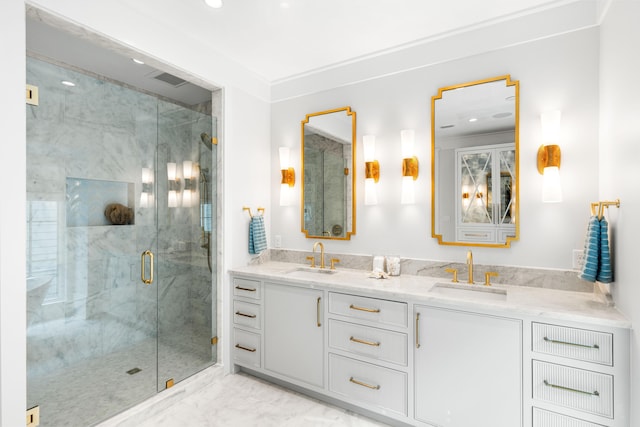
251	316
252	350
596	346
590	393
372	387
318	323
368	310
359	341
245	289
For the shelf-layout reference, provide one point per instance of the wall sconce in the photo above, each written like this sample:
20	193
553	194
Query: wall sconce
146	195
189	170
549	157
288	177
174	185
371	170
409	166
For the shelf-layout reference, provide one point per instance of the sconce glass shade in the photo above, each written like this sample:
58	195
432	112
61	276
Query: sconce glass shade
551	126
408	191
407	140
551	186
284	158
187	169
146	195
285	194
370	193
171	171
369	147
172	201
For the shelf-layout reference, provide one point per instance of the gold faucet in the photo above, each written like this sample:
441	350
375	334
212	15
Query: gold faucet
315	245
470	265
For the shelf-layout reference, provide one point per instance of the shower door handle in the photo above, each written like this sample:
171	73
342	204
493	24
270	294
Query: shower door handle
145	280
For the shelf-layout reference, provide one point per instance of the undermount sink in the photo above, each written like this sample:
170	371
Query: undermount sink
309	270
472	292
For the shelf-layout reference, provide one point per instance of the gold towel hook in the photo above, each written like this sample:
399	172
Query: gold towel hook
603	204
260	210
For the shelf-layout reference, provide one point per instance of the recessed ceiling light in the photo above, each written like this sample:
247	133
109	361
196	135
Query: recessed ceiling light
447	126
501	115
137	61
473	119
68	83
216	4
285	4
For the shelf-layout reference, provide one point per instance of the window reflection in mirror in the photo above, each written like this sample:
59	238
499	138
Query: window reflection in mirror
475	163
328	169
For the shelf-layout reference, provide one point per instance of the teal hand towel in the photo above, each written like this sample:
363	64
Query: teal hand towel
605	273
257	235
592	243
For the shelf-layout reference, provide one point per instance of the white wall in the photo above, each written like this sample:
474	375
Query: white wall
13	397
246	125
559	72
619	171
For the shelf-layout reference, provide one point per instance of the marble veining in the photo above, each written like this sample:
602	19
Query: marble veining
520	301
517	276
211	399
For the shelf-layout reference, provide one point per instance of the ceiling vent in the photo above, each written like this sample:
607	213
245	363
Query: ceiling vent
170	79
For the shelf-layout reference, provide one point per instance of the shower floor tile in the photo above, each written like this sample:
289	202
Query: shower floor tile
91	391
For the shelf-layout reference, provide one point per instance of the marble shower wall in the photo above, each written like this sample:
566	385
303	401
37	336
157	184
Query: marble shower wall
97	304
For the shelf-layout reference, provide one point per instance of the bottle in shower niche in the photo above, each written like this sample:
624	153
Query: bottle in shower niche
393	265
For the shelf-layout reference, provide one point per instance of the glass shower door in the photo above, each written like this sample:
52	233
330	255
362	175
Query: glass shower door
186	242
92	322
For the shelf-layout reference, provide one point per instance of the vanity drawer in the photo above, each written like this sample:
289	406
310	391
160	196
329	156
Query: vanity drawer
379	344
372	309
247	314
247	288
246	350
574	388
479	235
542	418
381	387
573	343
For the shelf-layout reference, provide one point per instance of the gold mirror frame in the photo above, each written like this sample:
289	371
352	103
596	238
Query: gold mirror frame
509	239
348	232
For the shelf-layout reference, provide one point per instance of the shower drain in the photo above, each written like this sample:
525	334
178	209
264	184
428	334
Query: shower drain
133	371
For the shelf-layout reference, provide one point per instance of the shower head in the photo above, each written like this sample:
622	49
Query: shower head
206	140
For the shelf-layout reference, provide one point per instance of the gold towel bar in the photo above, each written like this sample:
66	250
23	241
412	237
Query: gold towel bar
246	208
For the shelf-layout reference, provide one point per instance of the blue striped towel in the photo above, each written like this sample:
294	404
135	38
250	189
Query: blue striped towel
257	235
591	251
605	274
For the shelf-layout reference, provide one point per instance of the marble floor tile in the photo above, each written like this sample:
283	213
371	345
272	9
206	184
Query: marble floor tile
242	400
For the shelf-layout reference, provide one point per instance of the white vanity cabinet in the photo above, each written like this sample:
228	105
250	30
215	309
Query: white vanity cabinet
247	322
294	332
468	369
367	352
575	376
428	361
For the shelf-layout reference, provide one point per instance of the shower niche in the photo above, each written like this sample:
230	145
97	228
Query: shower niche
92	202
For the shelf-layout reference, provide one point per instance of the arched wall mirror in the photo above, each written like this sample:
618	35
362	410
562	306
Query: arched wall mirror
474	169
328	209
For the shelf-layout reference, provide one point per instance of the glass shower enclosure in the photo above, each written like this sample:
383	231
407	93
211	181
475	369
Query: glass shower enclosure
121	228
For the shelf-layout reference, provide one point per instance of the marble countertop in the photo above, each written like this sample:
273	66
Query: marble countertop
520	300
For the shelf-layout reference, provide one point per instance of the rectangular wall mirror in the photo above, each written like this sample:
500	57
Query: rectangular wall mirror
328	170
474	169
